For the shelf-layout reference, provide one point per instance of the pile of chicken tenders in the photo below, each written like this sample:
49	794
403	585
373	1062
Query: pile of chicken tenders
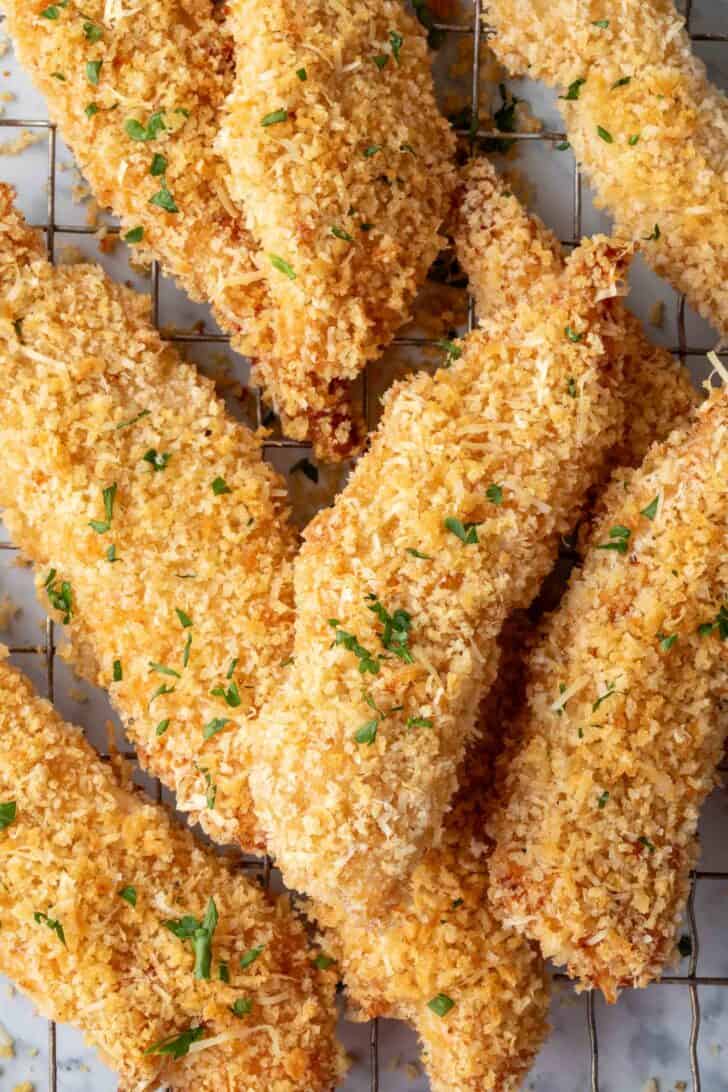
462	783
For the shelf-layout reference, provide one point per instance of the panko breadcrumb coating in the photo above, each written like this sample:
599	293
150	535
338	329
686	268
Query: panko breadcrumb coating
140	104
92	875
447	524
449	944
343	164
619	744
644	121
508	254
158	533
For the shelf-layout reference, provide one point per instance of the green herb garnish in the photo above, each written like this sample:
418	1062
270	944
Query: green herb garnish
92	32
282	266
163	199
93	71
619	540
60	596
441	1004
214	726
201	934
242	1007
136	131
601	802
118	674
250	956
605	134
275	118
395	635
102	526
128	894
177	1046
574	90
466	532
416	553
53	924
419	722
572	334
158	165
651	510
666	642
162	727
341	234
367	662
8	812
323	961
494	493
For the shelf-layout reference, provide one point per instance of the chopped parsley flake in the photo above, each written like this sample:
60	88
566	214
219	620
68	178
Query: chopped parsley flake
441	1004
250	956
419	722
396	41
50	12
646	843
162	727
651	510
144	412
231	695
323	961
601	802
494	493
341	234
185	620
201	934
666	642
282	266
302	74
211	794
305	466
220	486
177	1046
368	732
161	669
129	894
58	76
563	146
605	134
156	459
367	662
274	118
92	32
381	60
619	540
621	83
571	387
161	690
214	726
654	235
395	635
242	1007
91	109
574	90
572	334
611	689
186	652
163	199
8	812
53	924
60	596
371	150
466	532
601	23
93	70
451	350
158	165
136	131
416	553
719	625
102	526
231	669
223	973
634	139
118	671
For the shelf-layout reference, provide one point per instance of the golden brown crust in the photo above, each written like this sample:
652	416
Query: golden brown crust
111	968
645	122
90	391
618	749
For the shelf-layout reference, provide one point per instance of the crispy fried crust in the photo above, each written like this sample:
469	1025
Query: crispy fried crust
90	391
348	181
449	942
77	840
174	60
596	836
509	254
348	820
662	156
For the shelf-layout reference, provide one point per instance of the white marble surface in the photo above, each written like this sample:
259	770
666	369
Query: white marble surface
643	1037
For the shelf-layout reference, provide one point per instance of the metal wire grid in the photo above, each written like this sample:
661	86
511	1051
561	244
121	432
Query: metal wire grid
479	34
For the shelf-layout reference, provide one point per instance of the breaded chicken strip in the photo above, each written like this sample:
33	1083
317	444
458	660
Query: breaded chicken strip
645	122
140	104
447	524
158	533
620	741
509	254
98	898
448	941
342	162
476	992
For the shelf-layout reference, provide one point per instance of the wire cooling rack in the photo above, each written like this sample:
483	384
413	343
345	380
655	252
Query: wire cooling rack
478	32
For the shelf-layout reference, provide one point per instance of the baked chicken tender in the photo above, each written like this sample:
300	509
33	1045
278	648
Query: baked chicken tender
476	992
645	123
622	735
140	104
343	164
159	535
447	524
509	254
93	876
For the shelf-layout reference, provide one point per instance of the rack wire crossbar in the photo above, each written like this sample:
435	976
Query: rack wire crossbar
480	33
